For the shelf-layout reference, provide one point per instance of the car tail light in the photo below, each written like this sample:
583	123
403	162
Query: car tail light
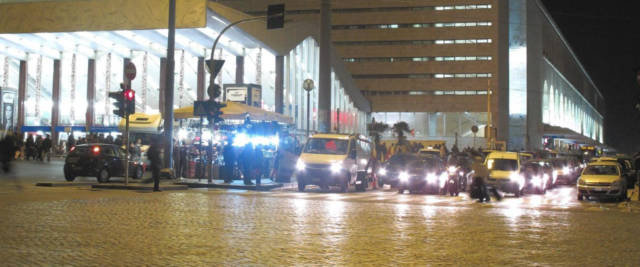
72	149
96	150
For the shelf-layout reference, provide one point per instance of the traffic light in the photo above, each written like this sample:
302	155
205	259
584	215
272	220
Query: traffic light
130	101
214	112
275	16
214	91
118	104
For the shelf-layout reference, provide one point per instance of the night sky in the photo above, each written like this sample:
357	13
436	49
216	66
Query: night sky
605	35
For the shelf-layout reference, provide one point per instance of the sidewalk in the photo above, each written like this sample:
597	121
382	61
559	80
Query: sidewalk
265	185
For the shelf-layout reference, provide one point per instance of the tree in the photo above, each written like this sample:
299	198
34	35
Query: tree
375	131
400	128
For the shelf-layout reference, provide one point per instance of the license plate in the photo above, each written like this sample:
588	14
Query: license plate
600	189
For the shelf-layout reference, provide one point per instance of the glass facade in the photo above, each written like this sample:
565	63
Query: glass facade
563	106
517	74
438	125
302	63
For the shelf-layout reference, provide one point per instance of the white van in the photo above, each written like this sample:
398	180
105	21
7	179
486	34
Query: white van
334	160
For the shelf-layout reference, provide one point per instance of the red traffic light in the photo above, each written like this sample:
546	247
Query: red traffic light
129	95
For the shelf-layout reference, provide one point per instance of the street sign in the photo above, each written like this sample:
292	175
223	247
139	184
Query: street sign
130	71
214	66
307	85
200	108
474	129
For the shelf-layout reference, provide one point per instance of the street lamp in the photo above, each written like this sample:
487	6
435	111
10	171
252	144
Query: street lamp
307	85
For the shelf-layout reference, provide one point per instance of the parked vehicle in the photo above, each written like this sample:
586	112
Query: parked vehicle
504	172
626	166
102	161
334	160
602	179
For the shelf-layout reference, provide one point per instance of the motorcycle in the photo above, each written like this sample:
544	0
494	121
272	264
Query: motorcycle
452	185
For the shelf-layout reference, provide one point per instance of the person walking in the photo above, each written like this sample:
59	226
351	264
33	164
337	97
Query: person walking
229	158
46	148
246	162
30	147
71	142
39	148
154	157
7	150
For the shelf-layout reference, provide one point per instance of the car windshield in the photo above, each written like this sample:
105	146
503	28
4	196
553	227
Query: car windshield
601	170
326	146
502	164
401	159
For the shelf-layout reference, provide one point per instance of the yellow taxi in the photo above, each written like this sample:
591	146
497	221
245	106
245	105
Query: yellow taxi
602	179
504	172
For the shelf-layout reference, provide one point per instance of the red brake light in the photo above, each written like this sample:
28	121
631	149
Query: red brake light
129	94
72	149
96	149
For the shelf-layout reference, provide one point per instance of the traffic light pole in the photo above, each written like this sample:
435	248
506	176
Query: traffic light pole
126	149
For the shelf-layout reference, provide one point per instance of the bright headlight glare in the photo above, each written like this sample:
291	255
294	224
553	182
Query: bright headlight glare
432	178
404	176
300	165
336	167
451	169
516	177
536	181
443	179
566	170
382	171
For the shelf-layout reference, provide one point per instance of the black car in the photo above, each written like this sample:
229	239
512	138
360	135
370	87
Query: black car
390	170
100	160
424	175
537	175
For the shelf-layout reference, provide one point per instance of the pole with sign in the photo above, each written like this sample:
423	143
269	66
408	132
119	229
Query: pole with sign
130	73
308	85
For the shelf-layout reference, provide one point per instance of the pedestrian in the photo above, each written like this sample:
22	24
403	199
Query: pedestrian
7	150
229	162
246	160
71	142
154	157
259	163
19	145
30	147
46	148
39	148
109	139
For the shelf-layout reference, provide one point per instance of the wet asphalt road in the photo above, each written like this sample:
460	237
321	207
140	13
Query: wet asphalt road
80	226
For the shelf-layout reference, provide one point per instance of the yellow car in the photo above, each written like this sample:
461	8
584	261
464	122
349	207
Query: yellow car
602	179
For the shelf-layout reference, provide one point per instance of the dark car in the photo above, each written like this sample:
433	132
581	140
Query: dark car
426	175
564	171
100	160
537	176
390	170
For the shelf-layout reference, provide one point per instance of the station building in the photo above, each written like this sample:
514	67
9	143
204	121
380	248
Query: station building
443	66
60	59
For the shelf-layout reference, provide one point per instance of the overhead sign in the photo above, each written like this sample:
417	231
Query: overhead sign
237	94
308	85
130	71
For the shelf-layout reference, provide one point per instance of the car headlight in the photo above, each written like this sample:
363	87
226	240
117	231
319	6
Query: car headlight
300	165
566	170
432	178
452	170
404	176
537	181
336	167
382	171
555	176
517	178
581	182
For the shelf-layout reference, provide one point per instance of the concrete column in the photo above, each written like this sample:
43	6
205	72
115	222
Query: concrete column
239	69
500	82
534	127
22	90
91	93
279	93
163	77
324	85
201	75
55	97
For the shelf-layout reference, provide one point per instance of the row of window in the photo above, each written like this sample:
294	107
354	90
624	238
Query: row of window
412	25
381	9
436	93
416	59
415	42
423	76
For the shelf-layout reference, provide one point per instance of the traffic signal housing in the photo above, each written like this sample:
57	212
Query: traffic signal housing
214	112
130	101
119	109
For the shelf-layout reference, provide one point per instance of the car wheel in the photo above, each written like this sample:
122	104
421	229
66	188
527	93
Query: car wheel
103	176
301	185
138	174
68	175
518	193
580	197
344	186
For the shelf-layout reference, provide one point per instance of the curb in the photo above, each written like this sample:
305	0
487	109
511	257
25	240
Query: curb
63	184
138	187
232	186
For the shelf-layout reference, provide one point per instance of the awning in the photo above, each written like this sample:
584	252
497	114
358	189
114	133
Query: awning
143	123
238	111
